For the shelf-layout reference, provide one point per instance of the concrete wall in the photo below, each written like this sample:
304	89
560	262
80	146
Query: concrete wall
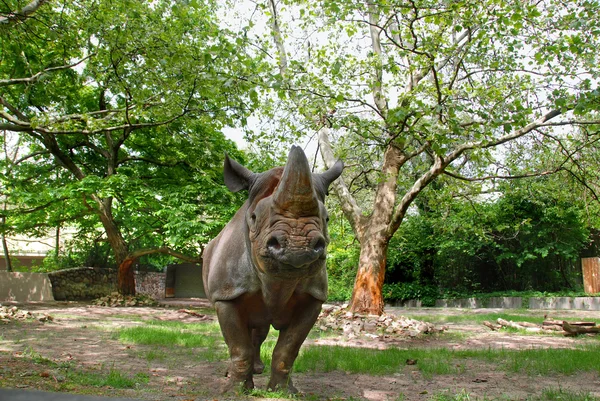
460	303
578	303
25	287
188	281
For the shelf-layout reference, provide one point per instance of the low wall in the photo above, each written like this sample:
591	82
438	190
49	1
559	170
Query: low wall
578	303
25	287
494	302
94	282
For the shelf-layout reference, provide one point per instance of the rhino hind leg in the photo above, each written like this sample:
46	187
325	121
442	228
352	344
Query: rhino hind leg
258	337
238	339
288	345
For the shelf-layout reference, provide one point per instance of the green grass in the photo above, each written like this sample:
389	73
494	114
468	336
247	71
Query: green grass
114	378
376	362
444	361
171	334
547	395
551	361
479	318
562	395
154	355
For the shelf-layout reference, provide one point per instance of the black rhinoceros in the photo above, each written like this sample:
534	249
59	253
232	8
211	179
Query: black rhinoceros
267	266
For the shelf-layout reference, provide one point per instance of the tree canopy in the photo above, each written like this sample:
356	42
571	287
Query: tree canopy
408	92
113	113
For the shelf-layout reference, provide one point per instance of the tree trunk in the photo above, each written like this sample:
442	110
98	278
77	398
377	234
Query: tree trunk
57	243
367	296
126	277
5	245
6	254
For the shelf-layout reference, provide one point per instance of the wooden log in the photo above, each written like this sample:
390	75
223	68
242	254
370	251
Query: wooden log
528	324
583	324
574	330
492	326
553	327
519	326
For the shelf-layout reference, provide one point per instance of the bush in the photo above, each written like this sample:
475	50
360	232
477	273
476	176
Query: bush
399	292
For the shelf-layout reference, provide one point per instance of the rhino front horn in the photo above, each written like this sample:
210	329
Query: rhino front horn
295	192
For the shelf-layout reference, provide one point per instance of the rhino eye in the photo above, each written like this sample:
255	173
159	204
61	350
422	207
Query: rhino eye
253	217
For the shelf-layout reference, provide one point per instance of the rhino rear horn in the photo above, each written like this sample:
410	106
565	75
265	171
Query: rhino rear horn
295	192
237	177
324	180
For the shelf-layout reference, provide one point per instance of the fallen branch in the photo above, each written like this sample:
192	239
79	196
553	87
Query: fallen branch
576	329
196	314
528	327
548	326
492	326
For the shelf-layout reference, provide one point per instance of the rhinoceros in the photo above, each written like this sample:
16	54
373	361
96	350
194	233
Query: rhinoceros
267	266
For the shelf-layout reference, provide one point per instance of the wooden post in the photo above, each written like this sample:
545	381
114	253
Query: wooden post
591	275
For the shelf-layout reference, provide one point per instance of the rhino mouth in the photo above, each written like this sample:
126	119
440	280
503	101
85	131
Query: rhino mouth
293	269
295	254
289	271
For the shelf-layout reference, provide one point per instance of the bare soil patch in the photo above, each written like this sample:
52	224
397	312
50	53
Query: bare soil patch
81	335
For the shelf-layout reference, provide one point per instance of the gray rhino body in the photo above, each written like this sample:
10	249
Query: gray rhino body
267	266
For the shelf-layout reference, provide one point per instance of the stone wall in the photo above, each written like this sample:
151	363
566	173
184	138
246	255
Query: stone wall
150	283
94	282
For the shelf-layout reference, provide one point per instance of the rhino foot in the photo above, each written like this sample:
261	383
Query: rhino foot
259	367
286	386
238	386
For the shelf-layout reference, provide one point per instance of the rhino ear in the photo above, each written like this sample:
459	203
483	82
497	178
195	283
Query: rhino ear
325	179
237	177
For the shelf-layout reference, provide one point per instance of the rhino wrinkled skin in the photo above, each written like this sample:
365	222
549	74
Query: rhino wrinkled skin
267	266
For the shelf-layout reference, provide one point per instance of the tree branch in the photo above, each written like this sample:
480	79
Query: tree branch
35	77
283	64
435	170
22	14
350	208
167	251
13	109
505	138
503	177
377	86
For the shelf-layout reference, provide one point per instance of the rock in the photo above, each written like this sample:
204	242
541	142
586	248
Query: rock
353	325
370	326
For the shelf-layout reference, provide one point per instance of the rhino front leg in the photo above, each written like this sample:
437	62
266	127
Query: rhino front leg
288	345
258	337
237	336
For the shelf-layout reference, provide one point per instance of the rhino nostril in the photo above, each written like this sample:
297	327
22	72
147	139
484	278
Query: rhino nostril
273	244
319	246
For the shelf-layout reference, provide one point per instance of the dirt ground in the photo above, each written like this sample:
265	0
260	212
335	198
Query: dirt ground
81	335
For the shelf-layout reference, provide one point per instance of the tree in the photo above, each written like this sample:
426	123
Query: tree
415	90
118	108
